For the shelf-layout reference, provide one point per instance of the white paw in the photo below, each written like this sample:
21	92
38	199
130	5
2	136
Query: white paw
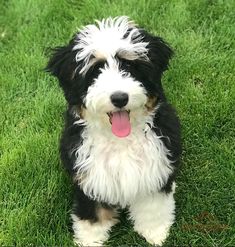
155	236
87	242
90	234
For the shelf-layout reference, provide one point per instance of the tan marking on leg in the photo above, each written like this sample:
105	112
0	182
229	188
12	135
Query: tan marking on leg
107	214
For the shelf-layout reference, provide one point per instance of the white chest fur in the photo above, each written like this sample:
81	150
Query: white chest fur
116	170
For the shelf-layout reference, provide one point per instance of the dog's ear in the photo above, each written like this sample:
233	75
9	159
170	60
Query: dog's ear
159	52
62	63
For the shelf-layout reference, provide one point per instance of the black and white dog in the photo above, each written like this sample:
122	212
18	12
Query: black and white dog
121	142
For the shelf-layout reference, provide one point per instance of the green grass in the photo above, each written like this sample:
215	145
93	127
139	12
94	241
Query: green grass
35	192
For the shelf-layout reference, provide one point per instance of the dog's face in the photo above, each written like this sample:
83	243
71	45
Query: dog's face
112	72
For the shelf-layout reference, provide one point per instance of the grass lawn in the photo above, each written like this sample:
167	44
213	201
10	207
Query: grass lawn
35	192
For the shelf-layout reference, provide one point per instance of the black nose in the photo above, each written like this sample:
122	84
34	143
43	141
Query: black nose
119	99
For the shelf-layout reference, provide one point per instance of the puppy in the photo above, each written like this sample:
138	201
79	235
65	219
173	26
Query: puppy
121	141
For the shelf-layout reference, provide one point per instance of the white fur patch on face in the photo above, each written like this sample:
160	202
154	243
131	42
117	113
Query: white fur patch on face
111	80
106	39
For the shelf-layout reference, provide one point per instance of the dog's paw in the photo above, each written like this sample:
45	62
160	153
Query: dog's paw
88	243
87	233
155	236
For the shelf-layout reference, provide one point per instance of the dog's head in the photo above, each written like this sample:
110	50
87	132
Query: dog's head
111	72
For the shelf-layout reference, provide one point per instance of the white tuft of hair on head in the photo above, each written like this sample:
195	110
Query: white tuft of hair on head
107	38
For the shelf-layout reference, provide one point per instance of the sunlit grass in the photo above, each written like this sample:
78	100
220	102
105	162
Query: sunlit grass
35	192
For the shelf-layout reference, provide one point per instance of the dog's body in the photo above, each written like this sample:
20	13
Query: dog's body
121	142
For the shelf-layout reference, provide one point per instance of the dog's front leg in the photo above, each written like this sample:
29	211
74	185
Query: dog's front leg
91	220
153	216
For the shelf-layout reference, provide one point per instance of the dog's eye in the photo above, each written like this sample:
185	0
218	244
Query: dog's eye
125	64
98	65
94	70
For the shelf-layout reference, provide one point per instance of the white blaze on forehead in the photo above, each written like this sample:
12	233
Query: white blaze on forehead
106	39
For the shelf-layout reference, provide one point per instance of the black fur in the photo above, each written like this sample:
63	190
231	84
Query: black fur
63	65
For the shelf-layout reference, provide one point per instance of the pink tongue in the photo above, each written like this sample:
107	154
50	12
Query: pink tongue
121	126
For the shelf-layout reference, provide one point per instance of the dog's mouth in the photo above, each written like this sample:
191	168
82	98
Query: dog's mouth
120	121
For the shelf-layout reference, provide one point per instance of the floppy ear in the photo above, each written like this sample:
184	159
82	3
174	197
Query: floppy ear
62	63
159	52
